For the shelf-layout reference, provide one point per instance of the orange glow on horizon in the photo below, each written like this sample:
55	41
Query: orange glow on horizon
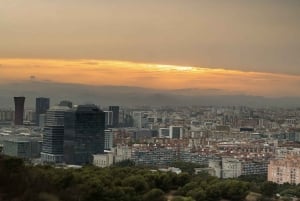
156	76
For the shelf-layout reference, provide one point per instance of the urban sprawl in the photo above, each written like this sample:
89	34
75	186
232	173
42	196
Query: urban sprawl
227	142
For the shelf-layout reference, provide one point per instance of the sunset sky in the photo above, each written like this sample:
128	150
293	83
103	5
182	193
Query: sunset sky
239	46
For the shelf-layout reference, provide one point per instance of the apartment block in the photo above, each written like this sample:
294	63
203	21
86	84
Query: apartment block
285	170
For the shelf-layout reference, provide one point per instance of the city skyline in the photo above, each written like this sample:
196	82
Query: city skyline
150	100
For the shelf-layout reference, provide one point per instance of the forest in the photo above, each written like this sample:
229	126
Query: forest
126	182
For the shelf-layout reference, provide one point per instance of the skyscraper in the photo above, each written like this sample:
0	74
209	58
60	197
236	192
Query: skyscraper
41	107
115	110
108	139
19	110
108	119
53	138
84	134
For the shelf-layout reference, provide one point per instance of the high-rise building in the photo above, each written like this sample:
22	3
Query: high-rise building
115	110
121	117
108	139
108	119
138	120
42	120
19	110
84	134
53	137
66	103
41	106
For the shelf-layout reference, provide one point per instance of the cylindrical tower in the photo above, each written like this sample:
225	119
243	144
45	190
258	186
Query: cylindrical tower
19	110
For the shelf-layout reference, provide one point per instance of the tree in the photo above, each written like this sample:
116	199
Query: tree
269	188
213	192
235	190
187	166
198	194
137	182
188	187
181	198
178	198
183	179
125	163
154	195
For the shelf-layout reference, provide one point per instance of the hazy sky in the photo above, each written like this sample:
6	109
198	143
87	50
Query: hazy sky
166	77
239	46
250	35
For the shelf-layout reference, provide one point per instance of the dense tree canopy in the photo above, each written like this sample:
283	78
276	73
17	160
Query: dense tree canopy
46	183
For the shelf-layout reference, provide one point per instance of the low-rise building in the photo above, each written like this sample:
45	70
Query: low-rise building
171	169
254	167
117	154
228	167
22	147
231	168
154	157
103	160
121	153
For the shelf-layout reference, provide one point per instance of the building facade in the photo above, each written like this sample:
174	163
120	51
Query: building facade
176	132
231	168
228	167
84	134
41	106
53	136
116	111
108	119
254	167
6	115
164	133
103	160
108	139
22	147
19	110
286	170
159	157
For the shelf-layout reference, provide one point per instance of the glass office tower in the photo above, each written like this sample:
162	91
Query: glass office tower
53	135
84	134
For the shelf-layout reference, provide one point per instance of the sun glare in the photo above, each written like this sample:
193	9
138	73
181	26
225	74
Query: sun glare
173	68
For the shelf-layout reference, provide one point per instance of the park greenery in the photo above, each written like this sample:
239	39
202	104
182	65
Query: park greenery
125	182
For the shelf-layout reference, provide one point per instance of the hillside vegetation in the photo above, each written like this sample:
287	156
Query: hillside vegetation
45	183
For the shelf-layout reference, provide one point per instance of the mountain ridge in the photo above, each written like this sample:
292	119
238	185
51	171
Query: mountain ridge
133	96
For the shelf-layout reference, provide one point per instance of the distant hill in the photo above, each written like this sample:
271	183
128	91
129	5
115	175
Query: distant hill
132	96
